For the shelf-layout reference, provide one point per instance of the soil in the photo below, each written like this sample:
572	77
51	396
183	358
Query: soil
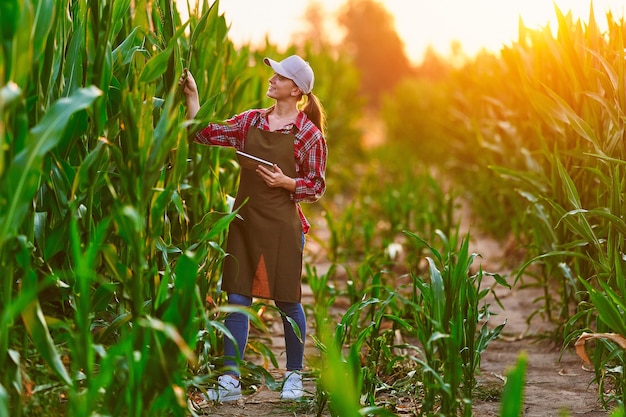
557	383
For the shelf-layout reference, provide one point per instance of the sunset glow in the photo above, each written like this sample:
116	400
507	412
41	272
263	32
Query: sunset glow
479	24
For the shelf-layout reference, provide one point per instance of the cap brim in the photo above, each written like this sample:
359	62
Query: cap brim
275	65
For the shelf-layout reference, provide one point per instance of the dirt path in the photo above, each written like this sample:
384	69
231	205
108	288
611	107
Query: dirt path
555	383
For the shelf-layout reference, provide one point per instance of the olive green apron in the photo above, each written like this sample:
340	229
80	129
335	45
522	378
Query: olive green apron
265	245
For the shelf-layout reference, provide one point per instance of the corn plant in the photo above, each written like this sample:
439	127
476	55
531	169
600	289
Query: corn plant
445	314
108	216
513	393
609	353
442	313
341	375
324	294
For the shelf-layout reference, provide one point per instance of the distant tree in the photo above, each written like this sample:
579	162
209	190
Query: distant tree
433	66
378	50
313	32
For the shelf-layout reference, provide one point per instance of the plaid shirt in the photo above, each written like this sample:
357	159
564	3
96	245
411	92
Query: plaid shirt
309	150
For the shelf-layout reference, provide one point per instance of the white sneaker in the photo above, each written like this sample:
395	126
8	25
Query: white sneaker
228	389
292	387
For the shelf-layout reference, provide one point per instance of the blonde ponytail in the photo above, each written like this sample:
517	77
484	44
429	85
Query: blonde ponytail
315	112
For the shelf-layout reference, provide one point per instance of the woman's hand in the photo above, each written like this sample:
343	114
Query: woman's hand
276	178
190	89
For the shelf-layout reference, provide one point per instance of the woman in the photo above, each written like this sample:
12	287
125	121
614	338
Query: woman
265	245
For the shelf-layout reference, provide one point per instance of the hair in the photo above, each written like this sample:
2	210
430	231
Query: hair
315	112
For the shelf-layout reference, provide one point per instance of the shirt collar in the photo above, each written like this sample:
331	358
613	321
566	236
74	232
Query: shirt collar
298	123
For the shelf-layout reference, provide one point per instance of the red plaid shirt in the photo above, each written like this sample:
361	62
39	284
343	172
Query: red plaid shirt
309	150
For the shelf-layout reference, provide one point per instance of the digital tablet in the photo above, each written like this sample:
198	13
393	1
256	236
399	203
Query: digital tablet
251	162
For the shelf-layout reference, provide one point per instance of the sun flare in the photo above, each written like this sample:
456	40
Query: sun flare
487	24
475	25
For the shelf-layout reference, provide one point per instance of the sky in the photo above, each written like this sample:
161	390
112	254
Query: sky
476	24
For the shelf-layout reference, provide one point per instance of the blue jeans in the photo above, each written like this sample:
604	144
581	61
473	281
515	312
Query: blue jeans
237	324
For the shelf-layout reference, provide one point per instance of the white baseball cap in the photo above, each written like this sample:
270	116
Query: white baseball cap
296	69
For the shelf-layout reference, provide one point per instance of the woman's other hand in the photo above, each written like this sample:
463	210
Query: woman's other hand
276	178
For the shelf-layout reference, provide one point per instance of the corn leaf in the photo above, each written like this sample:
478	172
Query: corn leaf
37	328
438	292
608	311
22	177
157	65
584	337
4	401
513	394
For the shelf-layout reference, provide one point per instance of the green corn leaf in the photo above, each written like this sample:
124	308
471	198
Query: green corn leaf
9	95
616	298
500	280
255	320
609	71
171	332
615	221
102	297
568	185
486	336
4	401
159	207
426	244
376	411
513	393
26	297
264	350
120	10
182	311
22	178
221	225
130	224
557	254
162	294
581	226
438	292
115	325
199	29
123	54
56	241
399	321
436	375
88	170
44	18
35	323
575	121
75	57
295	327
10	19
607	310
157	65
17	41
